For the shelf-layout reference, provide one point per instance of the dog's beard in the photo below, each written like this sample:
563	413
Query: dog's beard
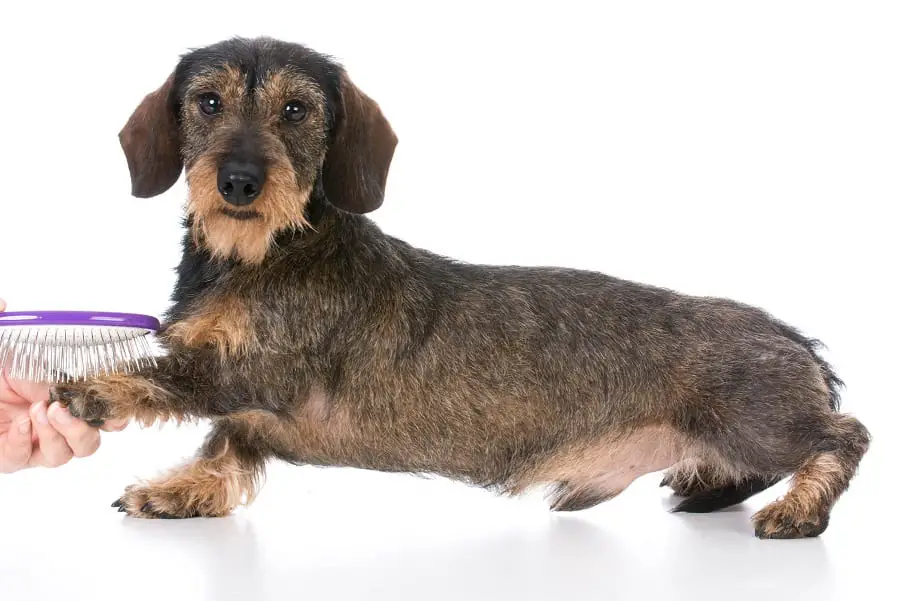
246	233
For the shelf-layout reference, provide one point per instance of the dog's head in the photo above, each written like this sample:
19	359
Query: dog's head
258	126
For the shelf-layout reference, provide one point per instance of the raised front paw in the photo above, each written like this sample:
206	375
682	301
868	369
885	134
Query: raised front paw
83	401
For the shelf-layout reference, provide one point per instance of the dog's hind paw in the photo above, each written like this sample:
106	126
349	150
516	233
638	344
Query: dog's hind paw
783	519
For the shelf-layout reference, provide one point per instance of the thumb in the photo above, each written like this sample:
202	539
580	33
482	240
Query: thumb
2	305
15	451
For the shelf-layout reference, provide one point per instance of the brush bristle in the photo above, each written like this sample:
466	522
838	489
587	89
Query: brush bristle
56	354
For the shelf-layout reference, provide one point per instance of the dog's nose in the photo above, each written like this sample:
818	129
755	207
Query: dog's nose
240	183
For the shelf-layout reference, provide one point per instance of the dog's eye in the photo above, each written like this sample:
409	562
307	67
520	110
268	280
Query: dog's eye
294	111
210	103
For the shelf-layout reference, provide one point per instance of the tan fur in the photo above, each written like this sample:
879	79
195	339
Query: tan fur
280	207
134	398
227	82
217	481
701	472
611	464
814	488
205	487
284	85
223	323
814	483
789	514
285	192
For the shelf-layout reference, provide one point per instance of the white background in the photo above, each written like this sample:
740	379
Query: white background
741	149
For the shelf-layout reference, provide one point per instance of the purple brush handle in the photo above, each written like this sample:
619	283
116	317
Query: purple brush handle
79	318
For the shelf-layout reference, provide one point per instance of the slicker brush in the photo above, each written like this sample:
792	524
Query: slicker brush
68	346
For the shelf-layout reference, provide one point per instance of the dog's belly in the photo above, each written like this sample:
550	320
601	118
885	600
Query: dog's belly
609	464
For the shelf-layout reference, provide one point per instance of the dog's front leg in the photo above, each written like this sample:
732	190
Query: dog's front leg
166	392
226	472
223	474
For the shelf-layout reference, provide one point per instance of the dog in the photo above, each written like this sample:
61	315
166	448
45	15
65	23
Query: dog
306	334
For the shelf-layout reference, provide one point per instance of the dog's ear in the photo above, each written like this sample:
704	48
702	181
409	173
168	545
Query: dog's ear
359	156
152	143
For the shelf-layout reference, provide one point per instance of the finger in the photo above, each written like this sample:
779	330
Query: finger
33	392
15	451
2	305
53	446
80	437
114	425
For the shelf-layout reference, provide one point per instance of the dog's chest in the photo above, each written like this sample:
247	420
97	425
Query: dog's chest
221	321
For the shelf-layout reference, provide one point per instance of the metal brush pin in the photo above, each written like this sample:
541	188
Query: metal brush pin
68	346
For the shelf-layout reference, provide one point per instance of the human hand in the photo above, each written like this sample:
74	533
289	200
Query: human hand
34	433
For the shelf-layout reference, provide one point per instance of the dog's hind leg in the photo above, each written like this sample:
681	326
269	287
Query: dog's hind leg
822	477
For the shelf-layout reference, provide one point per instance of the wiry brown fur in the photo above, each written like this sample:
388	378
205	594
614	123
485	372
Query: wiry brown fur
597	471
283	201
212	485
311	336
124	397
220	323
691	476
279	208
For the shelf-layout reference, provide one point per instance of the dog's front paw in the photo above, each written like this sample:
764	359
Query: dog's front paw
154	502
83	402
173	500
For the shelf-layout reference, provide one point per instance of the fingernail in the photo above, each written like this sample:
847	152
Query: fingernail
25	426
62	416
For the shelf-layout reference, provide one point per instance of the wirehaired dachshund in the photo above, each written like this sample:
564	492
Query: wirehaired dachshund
307	334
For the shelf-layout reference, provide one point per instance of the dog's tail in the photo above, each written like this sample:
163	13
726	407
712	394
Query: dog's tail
814	347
